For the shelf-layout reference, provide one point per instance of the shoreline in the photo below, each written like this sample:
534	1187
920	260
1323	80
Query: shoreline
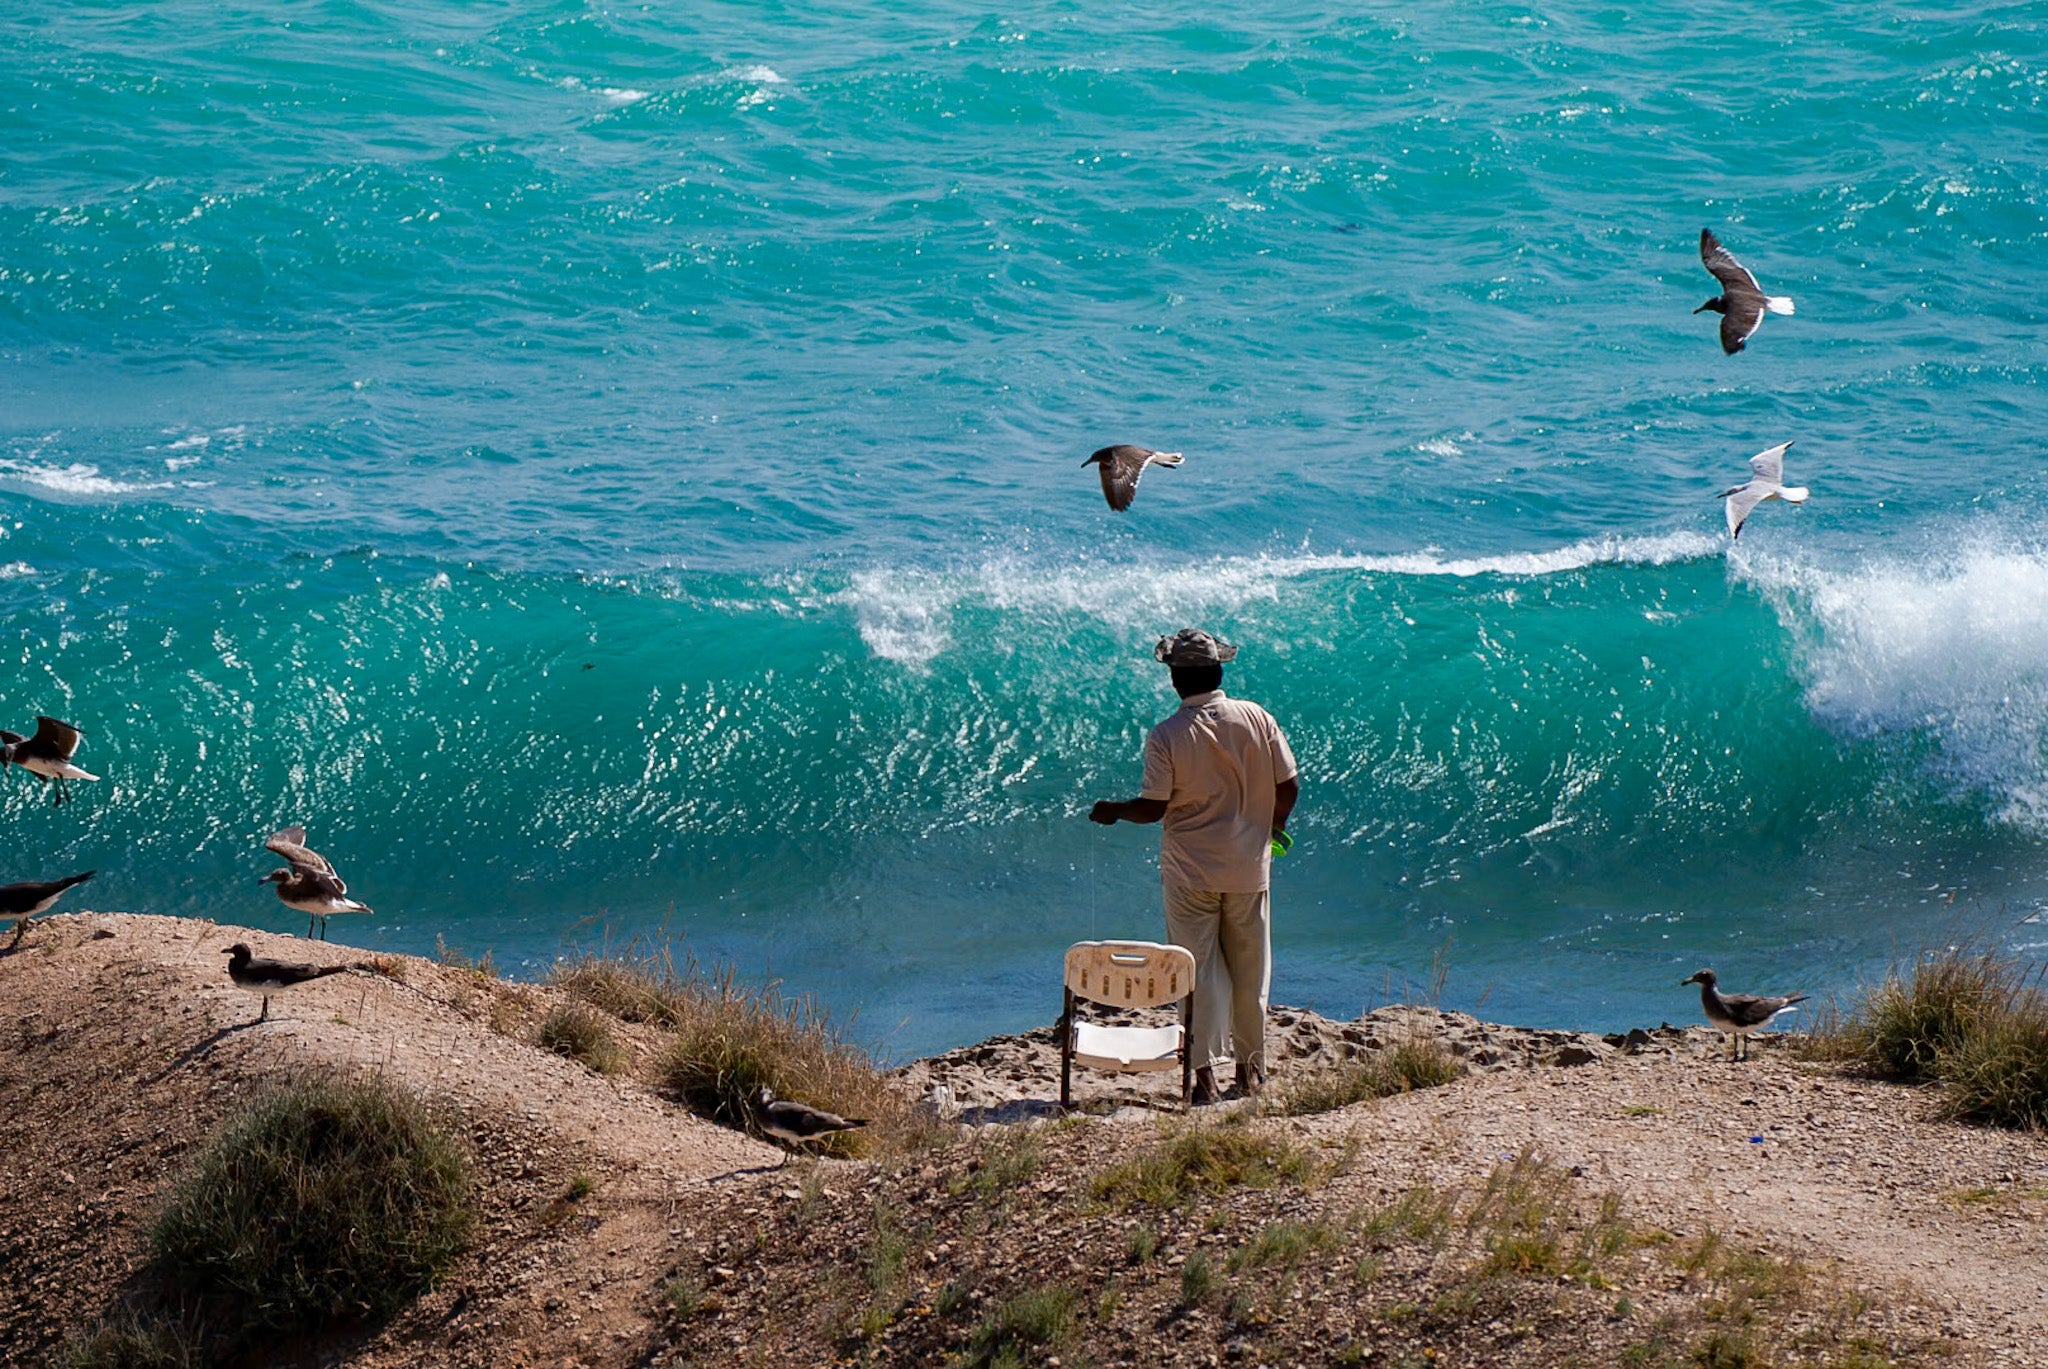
130	1047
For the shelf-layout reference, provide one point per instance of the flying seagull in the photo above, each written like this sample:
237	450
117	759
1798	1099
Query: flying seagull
1742	303
1738	1014
310	886
795	1124
1766	481
1122	465
47	755
270	977
23	901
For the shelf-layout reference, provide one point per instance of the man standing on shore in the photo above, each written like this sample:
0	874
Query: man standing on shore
1220	773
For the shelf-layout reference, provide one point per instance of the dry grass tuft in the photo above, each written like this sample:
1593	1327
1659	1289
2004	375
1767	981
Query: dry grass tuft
1205	1159
726	1041
584	1036
1400	1068
1976	1021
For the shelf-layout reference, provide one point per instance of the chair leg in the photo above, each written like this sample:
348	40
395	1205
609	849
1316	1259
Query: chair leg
1067	1050
1187	1053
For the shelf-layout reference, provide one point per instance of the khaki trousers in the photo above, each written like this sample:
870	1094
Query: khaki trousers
1231	938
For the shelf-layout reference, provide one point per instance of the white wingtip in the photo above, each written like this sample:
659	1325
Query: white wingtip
1168	458
1780	304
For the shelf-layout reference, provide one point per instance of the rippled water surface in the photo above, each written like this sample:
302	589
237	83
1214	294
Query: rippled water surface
621	468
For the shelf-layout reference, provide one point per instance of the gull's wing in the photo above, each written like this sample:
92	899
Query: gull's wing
290	842
58	738
1739	322
1120	467
1741	501
1733	275
1748	1010
1770	465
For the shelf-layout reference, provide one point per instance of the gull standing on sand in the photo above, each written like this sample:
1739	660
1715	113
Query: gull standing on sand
1766	481
310	886
1122	465
1736	1015
23	901
47	755
1742	303
796	1125
270	977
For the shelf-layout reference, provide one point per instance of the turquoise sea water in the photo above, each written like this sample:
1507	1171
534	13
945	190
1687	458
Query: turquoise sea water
621	468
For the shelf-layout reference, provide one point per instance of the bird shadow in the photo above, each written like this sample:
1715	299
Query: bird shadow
202	1047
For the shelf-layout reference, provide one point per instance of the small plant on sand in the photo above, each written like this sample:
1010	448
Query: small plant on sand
1998	1074
326	1199
1205	1159
132	1342
483	966
1141	1243
1198	1281
684	1295
1002	1163
583	1036
1284	1245
1041	1319
1399	1068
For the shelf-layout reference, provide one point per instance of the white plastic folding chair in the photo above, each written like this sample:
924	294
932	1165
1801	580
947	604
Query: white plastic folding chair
1127	974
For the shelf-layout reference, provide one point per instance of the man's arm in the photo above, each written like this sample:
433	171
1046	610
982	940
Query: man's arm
1109	812
1284	795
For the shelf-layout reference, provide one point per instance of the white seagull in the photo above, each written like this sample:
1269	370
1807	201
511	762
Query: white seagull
1766	481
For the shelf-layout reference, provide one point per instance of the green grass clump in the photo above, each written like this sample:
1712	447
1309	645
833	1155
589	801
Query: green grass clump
583	1036
1198	1281
1400	1068
1998	1074
325	1200
1007	1337
1905	1025
1975	1021
131	1343
1205	1159
1285	1245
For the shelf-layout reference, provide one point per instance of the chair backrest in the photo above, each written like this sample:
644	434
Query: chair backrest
1130	974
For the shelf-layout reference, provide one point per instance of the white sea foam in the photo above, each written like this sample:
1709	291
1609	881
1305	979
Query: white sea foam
15	570
907	616
622	95
1953	650
185	444
755	75
75	478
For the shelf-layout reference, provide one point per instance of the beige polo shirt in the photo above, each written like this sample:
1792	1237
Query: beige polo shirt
1215	762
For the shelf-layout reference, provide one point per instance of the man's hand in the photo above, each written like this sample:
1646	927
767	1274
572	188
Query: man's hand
1109	812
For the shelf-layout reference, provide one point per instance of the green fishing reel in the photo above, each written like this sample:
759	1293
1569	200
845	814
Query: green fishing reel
1282	843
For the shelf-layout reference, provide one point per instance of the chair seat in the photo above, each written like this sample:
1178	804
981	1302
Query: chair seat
1127	1049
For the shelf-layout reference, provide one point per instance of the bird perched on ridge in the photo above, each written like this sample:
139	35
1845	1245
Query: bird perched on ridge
310	886
1742	303
270	977
1766	481
795	1124
1737	1014
47	755
1121	466
23	901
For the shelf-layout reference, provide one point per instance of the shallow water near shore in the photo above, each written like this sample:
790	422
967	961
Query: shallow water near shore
609	473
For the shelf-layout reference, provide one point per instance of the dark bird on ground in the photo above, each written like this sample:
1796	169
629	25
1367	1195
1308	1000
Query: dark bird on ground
271	977
23	901
796	1125
1742	303
310	886
1766	481
1736	1015
1122	465
47	755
